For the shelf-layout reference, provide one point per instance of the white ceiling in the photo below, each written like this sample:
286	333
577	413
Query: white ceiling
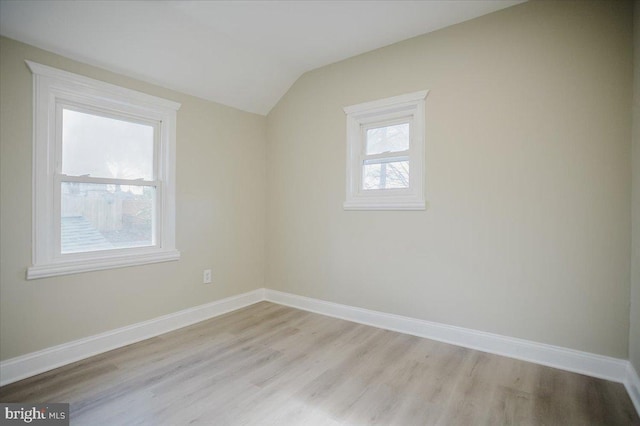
245	54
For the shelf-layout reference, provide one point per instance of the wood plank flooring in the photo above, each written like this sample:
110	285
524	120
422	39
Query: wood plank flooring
273	365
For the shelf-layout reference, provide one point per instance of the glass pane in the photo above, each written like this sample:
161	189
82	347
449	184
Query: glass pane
391	175
388	139
106	147
103	217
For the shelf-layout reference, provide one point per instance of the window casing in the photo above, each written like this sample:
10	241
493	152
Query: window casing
385	154
103	175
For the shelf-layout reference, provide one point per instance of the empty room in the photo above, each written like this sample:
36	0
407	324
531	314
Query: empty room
320	212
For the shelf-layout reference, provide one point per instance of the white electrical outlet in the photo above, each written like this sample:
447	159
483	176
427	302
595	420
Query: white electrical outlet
206	276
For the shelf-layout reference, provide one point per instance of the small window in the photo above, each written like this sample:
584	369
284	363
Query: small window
103	175
385	154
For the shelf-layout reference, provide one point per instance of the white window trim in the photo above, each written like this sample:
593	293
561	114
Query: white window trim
409	107
51	87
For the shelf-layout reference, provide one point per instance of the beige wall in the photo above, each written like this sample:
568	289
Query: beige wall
527	176
634	334
221	175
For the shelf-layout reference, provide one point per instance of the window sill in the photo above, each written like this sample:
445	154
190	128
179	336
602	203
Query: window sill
98	264
384	205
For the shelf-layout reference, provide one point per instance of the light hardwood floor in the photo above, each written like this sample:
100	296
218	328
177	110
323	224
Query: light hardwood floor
273	365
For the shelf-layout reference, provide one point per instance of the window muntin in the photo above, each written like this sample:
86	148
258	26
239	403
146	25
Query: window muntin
103	175
385	154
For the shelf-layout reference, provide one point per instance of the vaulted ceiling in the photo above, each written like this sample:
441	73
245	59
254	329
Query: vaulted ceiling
245	54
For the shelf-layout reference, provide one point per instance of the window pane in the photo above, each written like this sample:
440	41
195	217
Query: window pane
103	217
388	139
389	175
106	147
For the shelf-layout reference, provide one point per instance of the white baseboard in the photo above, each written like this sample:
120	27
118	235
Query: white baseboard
632	383
28	365
603	367
614	369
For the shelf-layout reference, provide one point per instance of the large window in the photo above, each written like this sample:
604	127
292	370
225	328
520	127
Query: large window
385	154
104	160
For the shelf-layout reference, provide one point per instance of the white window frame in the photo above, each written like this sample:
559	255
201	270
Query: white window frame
54	89
408	108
